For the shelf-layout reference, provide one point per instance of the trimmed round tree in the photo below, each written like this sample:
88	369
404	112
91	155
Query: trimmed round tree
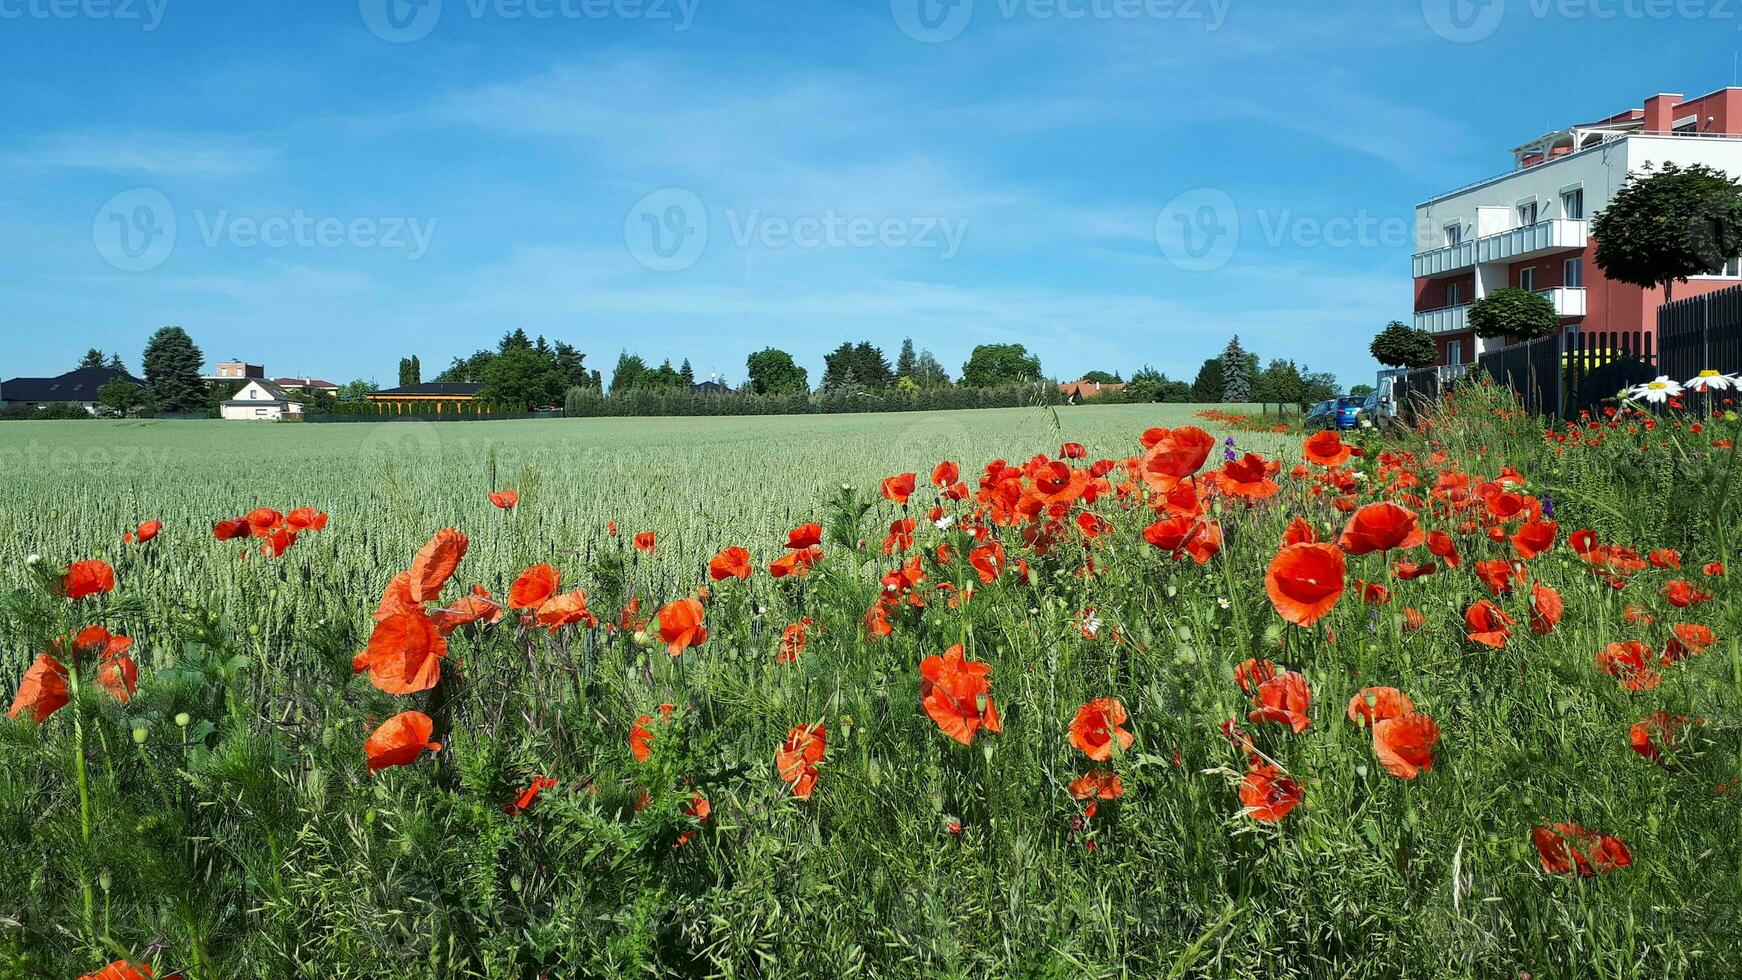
1403	346
1513	312
1667	225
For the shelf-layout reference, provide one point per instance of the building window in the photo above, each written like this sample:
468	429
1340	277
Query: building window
1454	352
1729	270
1527	278
1573	203
261	412
1573	273
1527	214
1454	293
1454	235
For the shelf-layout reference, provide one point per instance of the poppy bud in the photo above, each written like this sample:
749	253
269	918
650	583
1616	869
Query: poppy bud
139	734
182	719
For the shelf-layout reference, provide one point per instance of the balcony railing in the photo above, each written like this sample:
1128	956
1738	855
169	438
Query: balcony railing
1541	238
1568	301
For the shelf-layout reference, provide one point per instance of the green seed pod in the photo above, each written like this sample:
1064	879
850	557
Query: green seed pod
139	734
182	719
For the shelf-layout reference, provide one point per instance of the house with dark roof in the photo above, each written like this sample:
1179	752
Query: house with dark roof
711	388
306	384
82	387
447	391
261	401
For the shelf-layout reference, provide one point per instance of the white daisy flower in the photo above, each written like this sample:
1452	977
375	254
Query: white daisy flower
1657	391
1710	380
944	522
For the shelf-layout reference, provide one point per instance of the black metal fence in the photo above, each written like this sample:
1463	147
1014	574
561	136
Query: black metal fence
1701	333
1557	376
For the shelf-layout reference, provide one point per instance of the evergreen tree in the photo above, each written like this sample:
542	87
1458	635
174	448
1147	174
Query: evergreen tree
904	364
1236	374
514	340
929	372
686	373
116	364
172	372
627	376
93	359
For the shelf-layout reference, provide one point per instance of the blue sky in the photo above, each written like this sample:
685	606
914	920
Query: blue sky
350	182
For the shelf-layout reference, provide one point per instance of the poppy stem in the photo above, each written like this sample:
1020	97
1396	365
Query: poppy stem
82	775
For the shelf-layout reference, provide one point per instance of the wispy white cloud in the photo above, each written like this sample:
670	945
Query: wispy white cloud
152	153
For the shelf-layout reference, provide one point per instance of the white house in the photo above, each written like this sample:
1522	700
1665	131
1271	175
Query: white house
261	401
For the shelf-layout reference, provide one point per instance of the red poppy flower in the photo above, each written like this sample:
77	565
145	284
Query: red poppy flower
1545	608
1299	531
1206	543
1629	662
1097	726
1534	538
1326	448
680	626
476	606
804	536
505	499
87	578
404	655
306	519
1372	593
795	563
1441	545
1381	527
793	639
900	537
144	532
1252	672
1688	639
1567	848
566	610
1413	620
733	562
898	488
641	736
945	473
261	521
436	563
1488	624
1268	793
123	970
950	690
1499	575
1659	732
1665	558
528	796
796	759
1248	477
42	691
644	541
400	740
1409	570
1405	745
1713	569
1178	455
1284	699
1305	581
1097	784
231	529
1678	593
1377	704
534	587
988	561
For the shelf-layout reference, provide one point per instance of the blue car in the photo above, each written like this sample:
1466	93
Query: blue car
1349	412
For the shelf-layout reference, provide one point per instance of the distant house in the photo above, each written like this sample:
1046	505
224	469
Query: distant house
711	388
428	397
81	387
261	401
237	371
1080	390
306	384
